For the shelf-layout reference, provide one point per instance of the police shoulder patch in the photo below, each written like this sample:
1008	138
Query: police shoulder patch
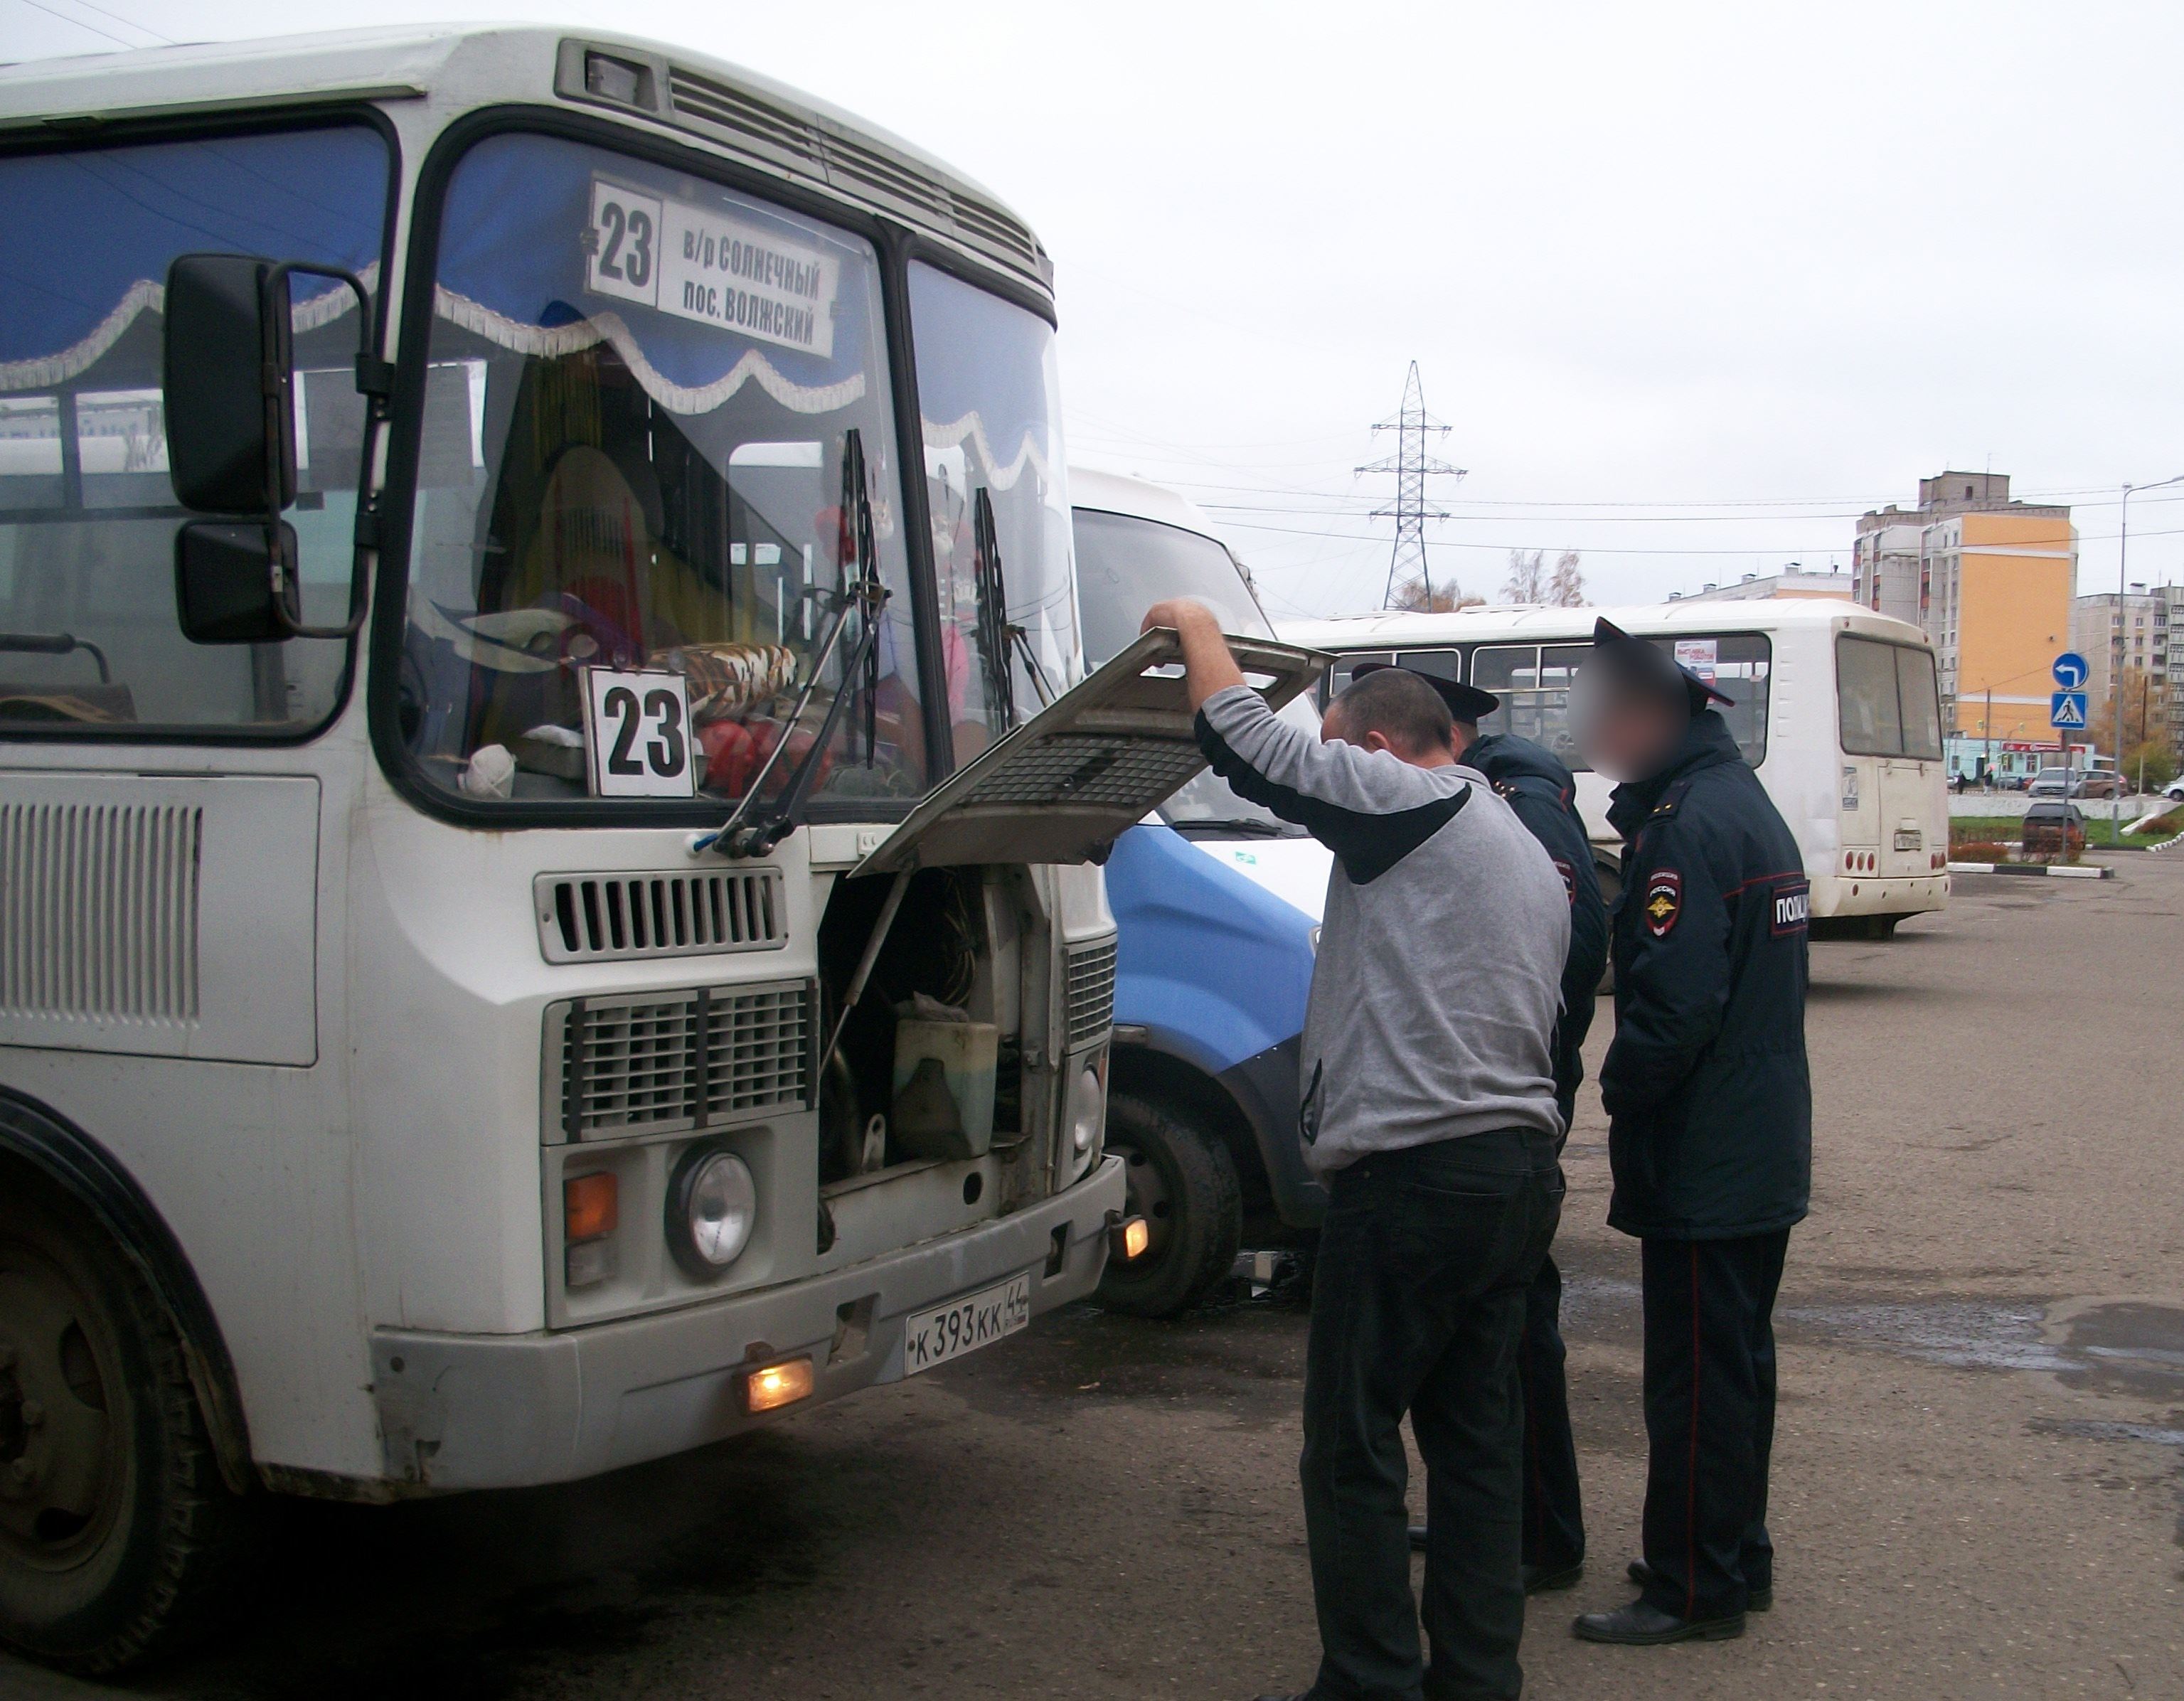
1569	877
1793	907
1664	901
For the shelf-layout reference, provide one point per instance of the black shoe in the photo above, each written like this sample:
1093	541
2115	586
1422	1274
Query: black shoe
1639	1625
1756	1600
1541	1580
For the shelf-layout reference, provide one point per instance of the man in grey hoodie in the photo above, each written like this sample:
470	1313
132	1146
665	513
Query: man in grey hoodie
1429	1110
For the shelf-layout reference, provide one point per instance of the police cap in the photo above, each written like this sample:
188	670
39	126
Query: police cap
1637	661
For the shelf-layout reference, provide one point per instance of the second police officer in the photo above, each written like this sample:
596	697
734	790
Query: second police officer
1709	1105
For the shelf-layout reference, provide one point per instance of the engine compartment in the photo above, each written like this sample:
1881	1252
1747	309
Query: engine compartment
961	946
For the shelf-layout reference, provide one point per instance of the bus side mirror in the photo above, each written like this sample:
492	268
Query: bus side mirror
228	385
228	588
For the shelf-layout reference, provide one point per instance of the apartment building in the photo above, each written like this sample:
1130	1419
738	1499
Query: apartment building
1990	581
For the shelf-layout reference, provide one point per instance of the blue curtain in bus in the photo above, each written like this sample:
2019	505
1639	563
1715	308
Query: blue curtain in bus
526	230
91	232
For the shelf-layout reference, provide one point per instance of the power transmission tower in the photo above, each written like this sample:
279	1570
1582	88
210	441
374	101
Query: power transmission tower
1412	466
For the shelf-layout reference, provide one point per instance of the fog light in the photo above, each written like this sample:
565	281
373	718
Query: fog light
589	1262
712	1206
778	1385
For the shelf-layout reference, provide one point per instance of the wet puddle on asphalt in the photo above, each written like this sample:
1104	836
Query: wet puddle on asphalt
2133	1347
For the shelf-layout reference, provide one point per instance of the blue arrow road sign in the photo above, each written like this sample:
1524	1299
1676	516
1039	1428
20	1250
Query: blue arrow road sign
2066	708
2071	672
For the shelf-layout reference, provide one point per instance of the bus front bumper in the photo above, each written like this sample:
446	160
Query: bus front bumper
473	1411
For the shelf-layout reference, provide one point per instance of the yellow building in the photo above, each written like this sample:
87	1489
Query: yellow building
1991	582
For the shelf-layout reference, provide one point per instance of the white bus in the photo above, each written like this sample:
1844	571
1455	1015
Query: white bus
1836	708
527	938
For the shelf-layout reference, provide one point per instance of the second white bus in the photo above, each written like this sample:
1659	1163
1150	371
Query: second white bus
1836	708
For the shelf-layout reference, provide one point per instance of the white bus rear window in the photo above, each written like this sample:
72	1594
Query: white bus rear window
1887	699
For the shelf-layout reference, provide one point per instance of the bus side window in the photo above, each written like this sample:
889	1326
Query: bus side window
1336	679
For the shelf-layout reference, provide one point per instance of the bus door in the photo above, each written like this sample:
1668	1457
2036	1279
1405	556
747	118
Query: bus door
1890	725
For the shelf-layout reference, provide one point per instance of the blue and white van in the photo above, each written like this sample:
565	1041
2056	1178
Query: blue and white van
1218	904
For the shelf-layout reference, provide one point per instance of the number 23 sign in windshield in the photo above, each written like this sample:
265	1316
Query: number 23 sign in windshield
704	265
636	731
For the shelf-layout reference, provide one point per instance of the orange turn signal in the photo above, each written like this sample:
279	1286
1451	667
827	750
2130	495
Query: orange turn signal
778	1385
590	1207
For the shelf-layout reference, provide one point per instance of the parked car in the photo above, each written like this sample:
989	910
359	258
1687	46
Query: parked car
2057	782
2055	828
2175	790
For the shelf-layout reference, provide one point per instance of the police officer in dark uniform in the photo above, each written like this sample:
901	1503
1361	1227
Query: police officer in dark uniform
1709	1104
1540	790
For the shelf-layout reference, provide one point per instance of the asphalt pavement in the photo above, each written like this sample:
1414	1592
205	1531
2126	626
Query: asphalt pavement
1976	1479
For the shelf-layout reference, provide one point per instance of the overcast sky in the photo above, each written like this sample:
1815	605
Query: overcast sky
1692	286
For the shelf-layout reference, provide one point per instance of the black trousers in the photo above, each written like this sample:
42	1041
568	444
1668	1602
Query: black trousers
1417	1305
1554	1511
1709	1420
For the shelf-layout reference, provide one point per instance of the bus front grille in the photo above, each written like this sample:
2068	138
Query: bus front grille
660	1063
1091	992
606	917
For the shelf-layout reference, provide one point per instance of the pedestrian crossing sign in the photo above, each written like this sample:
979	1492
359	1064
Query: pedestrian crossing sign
2066	709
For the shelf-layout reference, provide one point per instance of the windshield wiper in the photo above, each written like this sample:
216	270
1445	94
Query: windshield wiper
863	595
1237	825
999	642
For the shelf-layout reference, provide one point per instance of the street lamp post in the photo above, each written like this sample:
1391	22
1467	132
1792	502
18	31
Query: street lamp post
2120	648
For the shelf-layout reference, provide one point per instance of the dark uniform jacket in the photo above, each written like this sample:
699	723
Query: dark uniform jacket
1708	1098
1538	788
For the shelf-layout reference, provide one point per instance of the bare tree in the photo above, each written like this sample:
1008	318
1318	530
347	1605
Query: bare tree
1528	578
1566	588
1415	596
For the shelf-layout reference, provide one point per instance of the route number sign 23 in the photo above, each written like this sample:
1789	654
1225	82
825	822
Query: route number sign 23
636	734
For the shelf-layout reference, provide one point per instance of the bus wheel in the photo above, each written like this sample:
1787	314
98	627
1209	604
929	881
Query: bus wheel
115	1529
1180	1178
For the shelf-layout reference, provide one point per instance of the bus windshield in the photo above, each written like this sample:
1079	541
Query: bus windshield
991	420
657	416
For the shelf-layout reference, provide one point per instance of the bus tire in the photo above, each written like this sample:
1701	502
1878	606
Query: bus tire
1180	1178
117	1535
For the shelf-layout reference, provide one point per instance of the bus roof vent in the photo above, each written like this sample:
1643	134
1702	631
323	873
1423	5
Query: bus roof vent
994	228
719	107
603	918
869	170
707	103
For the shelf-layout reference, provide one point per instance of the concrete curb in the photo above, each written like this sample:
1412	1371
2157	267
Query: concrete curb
2059	872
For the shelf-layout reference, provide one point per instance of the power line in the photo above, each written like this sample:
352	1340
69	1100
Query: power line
105	13
1609	550
52	12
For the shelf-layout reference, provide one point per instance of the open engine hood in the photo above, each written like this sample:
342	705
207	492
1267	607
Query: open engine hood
1086	767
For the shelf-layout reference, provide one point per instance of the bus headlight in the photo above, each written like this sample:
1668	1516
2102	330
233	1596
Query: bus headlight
1088	1113
712	1206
